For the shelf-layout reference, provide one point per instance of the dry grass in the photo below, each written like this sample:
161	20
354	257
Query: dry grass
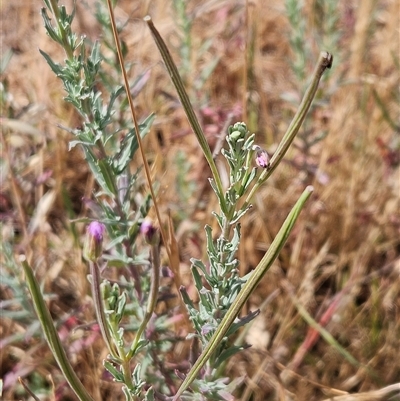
342	261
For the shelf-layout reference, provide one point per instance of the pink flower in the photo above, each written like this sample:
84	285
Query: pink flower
262	158
149	232
94	241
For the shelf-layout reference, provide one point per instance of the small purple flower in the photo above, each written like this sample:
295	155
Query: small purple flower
207	328
149	232
94	241
96	229
262	158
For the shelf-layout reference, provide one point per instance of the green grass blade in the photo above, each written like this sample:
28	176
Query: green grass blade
328	337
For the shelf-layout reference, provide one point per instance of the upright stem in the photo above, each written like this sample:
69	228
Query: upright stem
246	291
153	295
99	308
139	139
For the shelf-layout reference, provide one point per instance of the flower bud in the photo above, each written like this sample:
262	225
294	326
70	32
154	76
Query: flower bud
94	241
262	158
149	232
235	135
237	131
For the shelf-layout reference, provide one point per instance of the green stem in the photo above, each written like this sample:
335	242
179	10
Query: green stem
153	295
126	369
99	308
246	291
52	336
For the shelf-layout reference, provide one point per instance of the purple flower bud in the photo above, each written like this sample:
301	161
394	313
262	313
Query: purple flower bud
207	328
94	241
262	158
149	232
